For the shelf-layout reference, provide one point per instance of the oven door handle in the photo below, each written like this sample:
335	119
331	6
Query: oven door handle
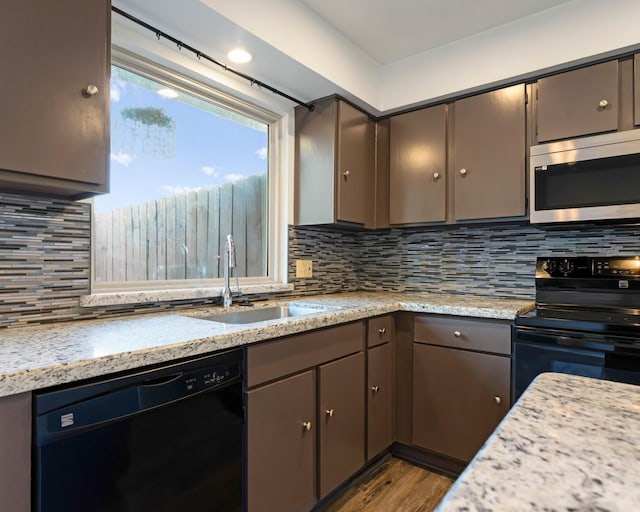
584	343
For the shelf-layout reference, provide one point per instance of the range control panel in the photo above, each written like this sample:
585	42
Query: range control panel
617	267
621	267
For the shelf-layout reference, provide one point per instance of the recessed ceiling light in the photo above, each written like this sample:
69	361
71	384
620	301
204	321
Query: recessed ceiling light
167	93
239	56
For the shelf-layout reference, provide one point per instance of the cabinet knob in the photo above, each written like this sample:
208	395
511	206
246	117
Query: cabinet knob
329	413
457	334
375	389
345	174
382	330
603	103
436	176
306	426
91	90
497	400
463	172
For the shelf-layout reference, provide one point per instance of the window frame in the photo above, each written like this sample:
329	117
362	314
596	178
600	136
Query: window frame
277	227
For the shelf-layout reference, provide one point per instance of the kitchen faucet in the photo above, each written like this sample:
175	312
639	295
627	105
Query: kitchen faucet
229	263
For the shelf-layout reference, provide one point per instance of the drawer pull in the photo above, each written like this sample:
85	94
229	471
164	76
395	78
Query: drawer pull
329	413
375	389
306	426
497	400
382	330
457	334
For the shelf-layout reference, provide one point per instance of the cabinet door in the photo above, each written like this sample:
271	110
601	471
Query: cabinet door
489	154
380	394
459	397
417	187
281	444
50	53
579	102
355	168
341	420
15	452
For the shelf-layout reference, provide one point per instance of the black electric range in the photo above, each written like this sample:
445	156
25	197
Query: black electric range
586	321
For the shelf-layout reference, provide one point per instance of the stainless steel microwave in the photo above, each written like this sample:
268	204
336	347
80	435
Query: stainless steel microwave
585	179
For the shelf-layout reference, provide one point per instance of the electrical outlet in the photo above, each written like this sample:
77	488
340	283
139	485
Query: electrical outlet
304	268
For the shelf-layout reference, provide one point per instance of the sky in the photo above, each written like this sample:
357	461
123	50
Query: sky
148	162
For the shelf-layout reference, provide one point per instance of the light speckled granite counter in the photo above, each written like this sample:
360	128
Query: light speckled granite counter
37	357
569	443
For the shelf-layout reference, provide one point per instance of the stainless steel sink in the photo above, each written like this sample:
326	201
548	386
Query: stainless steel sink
251	316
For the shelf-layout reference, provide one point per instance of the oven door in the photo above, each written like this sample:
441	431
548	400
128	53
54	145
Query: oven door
537	351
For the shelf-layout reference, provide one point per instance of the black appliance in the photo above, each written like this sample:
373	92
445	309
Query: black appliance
586	321
165	439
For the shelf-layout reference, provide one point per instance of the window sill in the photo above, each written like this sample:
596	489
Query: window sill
141	297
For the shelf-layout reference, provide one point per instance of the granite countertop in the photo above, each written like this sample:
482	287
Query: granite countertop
569	443
42	356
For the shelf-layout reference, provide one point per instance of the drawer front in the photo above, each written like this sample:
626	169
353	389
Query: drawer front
380	330
274	359
472	334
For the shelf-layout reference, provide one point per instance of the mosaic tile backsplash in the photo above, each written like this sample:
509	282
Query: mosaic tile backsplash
45	259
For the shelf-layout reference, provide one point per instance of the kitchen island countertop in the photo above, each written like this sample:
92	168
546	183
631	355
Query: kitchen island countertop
43	356
569	443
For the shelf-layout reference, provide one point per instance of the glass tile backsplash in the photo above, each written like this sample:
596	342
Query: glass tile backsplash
45	259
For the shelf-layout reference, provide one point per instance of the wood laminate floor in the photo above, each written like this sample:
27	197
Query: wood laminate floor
394	485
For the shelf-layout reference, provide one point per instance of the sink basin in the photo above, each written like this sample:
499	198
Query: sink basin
251	316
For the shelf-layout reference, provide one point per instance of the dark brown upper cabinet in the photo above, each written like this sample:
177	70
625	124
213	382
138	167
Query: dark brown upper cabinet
334	162
417	166
489	154
54	123
579	102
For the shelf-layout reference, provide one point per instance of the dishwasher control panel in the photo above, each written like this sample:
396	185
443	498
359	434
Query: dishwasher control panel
210	377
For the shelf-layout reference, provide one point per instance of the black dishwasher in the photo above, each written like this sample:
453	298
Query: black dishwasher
166	439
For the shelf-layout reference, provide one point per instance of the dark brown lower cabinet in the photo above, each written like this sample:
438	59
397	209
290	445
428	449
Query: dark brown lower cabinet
15	453
281	445
341	421
380	394
459	397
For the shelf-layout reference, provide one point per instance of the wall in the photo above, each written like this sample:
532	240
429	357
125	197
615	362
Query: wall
45	263
495	260
45	259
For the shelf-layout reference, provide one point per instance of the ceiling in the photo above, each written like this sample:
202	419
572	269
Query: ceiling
383	55
392	30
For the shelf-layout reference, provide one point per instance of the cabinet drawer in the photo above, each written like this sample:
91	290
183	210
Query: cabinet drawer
482	335
380	330
268	361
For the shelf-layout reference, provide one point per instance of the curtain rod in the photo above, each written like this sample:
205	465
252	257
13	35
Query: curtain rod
159	33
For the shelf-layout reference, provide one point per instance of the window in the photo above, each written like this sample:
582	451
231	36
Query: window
188	167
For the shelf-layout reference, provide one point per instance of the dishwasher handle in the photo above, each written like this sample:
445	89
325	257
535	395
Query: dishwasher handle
124	402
